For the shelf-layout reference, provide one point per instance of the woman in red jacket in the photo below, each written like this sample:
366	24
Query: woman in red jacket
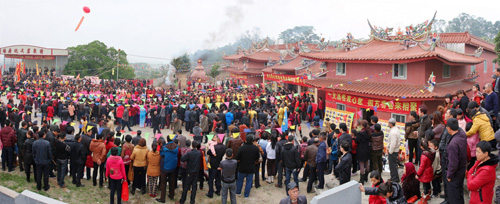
376	180
50	113
425	172
481	177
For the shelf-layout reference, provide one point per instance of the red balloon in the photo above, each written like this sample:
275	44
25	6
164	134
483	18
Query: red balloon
86	9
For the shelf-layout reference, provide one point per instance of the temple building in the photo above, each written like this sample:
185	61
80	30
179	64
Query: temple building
388	75
391	74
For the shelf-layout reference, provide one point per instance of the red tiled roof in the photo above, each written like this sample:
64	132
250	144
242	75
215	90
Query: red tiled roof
262	56
296	46
389	52
390	90
466	38
233	57
290	66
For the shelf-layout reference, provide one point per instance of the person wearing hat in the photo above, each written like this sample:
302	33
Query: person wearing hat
393	149
293	195
457	161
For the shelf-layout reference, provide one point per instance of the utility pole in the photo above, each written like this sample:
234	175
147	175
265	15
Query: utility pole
117	65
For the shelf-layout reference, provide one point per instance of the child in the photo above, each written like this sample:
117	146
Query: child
391	191
343	170
212	143
411	186
471	143
436	166
376	180
425	172
326	123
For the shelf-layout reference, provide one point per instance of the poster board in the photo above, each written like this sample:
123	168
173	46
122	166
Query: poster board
338	116
385	128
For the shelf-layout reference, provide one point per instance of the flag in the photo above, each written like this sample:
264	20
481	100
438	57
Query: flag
37	72
18	72
284	126
24	68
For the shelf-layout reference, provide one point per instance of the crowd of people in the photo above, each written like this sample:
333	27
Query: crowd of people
236	138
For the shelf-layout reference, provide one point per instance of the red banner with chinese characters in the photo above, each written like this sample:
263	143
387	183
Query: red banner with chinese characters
240	77
31	57
289	79
402	107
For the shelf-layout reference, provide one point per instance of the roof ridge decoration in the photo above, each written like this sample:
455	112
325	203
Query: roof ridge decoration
413	34
350	43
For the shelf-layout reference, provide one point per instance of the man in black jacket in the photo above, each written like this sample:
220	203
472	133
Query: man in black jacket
262	117
21	137
28	157
279	162
42	155
193	158
62	156
343	169
213	173
78	157
247	155
344	137
291	160
85	141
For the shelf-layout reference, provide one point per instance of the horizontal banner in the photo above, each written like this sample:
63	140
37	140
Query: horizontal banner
402	107
289	79
31	57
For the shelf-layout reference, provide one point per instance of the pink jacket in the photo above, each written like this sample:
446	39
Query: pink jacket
115	169
472	142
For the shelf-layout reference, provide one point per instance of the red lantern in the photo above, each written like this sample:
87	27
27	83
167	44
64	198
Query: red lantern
86	9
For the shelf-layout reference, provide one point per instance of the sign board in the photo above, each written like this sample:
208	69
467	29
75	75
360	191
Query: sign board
385	128
338	116
30	50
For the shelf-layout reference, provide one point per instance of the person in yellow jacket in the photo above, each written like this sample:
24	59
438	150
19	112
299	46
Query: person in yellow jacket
207	99
202	99
481	123
140	162
281	114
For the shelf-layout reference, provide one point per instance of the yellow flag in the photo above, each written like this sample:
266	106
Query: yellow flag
37	72
235	135
171	136
89	128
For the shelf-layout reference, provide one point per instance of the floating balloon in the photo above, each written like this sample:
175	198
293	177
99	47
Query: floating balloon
86	9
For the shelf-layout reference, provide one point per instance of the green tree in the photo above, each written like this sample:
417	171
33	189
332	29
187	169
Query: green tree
477	26
96	58
214	71
299	33
496	41
181	63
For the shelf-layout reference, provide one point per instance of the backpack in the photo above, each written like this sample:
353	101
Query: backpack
126	157
303	148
